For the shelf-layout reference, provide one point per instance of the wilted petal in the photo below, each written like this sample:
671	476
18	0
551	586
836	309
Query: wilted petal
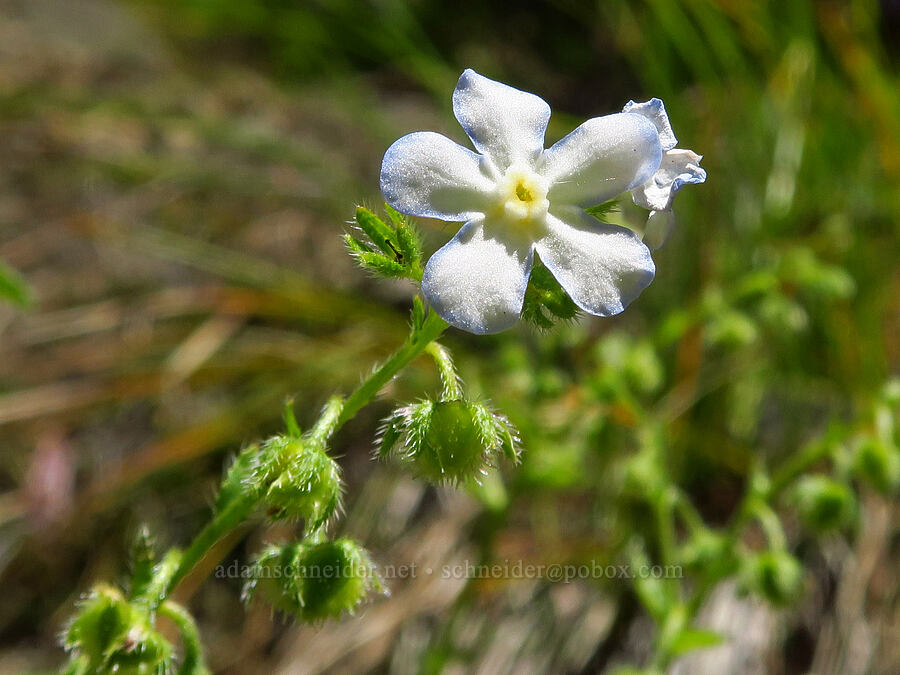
602	267
655	111
504	123
426	174
476	281
659	225
603	157
678	168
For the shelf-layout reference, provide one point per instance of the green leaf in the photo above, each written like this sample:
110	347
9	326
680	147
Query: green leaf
396	217
388	436
13	286
290	420
410	245
380	234
692	639
381	265
356	246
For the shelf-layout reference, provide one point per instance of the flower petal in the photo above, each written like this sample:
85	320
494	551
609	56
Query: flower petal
655	111
602	267
602	158
476	281
659	225
428	175
678	168
504	123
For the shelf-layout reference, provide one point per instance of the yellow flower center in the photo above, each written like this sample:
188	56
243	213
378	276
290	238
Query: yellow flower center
522	196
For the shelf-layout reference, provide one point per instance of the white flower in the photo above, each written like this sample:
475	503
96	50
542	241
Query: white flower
677	169
517	198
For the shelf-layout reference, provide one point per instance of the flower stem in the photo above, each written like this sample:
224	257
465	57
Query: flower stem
235	513
418	340
325	427
333	417
192	660
449	378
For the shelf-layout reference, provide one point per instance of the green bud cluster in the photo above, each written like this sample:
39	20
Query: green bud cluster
314	580
109	634
300	480
448	440
387	250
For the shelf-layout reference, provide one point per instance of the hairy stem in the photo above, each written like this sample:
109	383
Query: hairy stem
449	378
325	427
336	413
416	343
192	659
235	513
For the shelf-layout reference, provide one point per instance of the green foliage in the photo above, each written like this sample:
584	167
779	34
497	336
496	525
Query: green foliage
767	316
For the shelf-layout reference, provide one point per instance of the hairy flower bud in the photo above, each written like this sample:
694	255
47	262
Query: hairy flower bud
303	481
448	440
314	581
111	635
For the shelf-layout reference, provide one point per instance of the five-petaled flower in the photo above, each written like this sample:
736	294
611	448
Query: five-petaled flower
516	198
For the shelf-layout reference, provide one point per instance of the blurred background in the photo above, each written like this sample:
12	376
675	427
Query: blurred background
174	178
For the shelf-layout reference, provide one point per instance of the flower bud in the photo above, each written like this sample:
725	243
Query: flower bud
775	575
879	464
823	503
303	481
114	636
387	250
448	440
314	581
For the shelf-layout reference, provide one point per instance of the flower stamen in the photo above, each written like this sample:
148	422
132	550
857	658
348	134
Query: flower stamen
522	196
